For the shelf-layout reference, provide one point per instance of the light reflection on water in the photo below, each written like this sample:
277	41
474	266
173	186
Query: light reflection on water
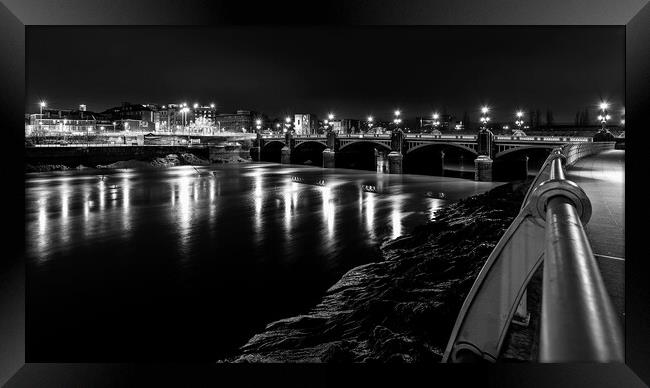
181	238
88	203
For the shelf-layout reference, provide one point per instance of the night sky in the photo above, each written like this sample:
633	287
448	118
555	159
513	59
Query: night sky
351	71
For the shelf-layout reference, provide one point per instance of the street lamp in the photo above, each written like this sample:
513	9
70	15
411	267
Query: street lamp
484	117
43	104
520	119
436	121
397	120
196	105
603	117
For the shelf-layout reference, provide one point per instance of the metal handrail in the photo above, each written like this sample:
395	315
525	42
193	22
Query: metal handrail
578	321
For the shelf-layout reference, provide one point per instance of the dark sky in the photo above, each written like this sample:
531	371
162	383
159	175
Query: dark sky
351	71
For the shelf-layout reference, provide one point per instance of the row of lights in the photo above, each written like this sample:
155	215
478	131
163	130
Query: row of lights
603	117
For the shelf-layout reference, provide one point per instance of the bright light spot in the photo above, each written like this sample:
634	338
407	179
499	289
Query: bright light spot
520	114
604	105
397	113
435	116
485	109
330	116
370	119
287	119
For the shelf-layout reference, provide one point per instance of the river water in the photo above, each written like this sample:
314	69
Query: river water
188	263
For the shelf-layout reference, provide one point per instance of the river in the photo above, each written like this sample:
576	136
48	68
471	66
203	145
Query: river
187	263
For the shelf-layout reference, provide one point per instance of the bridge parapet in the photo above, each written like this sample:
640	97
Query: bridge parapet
578	320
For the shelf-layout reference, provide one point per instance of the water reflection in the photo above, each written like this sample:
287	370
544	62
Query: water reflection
396	216
144	235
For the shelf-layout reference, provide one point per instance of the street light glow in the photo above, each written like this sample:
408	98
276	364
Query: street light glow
604	105
520	114
287	119
484	109
397	112
43	104
435	116
196	105
370	119
212	105
258	122
330	116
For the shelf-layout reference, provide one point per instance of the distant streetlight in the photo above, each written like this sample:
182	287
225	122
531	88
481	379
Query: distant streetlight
397	120
196	105
520	119
484	118
287	119
330	116
370	119
212	105
603	117
43	104
436	122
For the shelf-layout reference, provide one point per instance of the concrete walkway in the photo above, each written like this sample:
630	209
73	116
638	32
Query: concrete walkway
602	177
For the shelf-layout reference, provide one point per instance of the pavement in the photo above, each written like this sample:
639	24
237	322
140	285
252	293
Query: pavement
602	177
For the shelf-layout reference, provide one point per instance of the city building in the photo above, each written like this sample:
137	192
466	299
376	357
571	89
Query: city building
305	124
344	126
61	121
132	116
241	121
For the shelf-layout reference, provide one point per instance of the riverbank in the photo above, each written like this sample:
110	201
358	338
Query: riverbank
170	160
401	308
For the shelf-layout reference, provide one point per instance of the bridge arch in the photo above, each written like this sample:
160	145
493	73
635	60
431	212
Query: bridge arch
360	154
272	151
310	141
520	162
442	144
427	159
365	141
308	152
524	148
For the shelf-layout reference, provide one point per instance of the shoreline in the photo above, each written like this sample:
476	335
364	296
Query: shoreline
402	307
170	160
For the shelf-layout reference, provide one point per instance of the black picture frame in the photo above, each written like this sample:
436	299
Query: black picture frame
16	15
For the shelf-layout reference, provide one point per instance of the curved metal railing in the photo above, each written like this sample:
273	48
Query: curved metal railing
578	320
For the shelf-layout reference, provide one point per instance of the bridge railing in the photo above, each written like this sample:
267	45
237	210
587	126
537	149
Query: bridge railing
578	321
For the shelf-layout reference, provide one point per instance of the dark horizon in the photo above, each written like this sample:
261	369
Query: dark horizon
351	71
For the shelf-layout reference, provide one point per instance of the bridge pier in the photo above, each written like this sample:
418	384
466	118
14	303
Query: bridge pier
395	160
329	158
483	169
255	153
286	155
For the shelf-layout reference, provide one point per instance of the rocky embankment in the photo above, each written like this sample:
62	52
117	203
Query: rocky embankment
167	161
401	308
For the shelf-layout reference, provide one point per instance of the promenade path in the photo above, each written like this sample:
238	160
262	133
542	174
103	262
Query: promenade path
602	177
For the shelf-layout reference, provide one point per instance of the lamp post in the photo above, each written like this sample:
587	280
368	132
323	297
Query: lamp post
603	117
520	119
370	120
484	117
287	123
397	120
436	121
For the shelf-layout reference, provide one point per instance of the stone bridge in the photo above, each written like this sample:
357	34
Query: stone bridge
390	150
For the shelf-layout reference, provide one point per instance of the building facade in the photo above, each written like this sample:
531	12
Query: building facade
305	124
241	121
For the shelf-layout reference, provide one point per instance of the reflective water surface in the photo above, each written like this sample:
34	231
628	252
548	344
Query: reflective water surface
187	263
